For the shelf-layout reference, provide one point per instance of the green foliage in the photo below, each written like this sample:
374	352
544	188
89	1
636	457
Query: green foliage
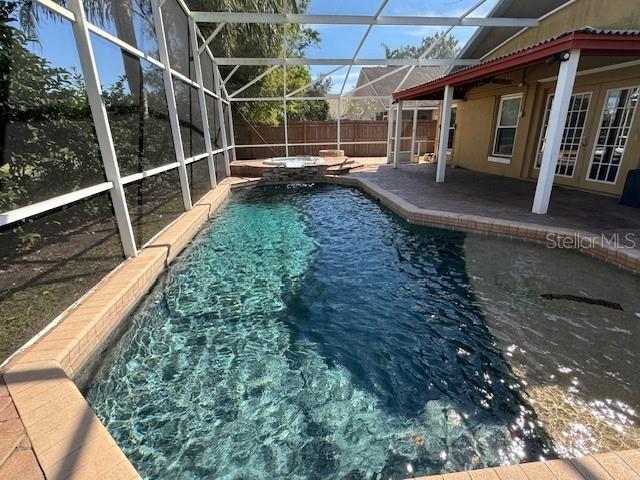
272	113
443	46
48	142
267	40
45	124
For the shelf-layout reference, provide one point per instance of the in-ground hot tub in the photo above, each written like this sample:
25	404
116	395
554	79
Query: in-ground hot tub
294	162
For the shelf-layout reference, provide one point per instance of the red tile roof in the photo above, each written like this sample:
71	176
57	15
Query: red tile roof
589	40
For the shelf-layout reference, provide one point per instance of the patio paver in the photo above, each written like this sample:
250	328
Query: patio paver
601	466
492	196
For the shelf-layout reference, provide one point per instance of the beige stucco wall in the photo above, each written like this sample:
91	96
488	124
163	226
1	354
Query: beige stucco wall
477	116
621	14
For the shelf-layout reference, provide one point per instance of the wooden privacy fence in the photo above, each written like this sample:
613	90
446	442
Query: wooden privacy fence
372	134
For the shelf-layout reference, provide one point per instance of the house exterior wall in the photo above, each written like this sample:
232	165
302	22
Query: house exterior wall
477	117
613	14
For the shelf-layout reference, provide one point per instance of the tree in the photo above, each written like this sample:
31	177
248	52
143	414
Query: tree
272	113
267	40
443	46
48	138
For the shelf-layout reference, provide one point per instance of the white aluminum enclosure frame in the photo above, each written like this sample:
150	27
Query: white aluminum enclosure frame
83	30
377	18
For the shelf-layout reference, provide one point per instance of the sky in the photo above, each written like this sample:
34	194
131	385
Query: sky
337	41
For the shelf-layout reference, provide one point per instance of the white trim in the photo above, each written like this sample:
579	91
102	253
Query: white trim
184	78
555	132
547	106
371	82
284	109
102	127
199	157
413	133
605	68
495	159
419	62
398	135
327	97
60	10
171	104
498	126
124	46
266	145
390	113
444	35
221	119
339	123
228	77
232	135
477	32
597	134
256	79
319	78
445	124
149	173
209	92
416	20
357	51
206	42
184	7
12	216
193	31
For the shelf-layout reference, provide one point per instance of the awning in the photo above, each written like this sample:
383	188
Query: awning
589	40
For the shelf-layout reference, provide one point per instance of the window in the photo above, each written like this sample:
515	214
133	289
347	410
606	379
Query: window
508	116
615	123
452	128
572	135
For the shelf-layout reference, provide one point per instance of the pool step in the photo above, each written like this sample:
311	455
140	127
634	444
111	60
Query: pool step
344	167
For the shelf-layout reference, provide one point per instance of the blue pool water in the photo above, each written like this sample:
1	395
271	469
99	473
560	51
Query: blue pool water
308	333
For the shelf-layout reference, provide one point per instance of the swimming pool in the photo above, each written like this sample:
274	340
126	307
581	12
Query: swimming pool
309	333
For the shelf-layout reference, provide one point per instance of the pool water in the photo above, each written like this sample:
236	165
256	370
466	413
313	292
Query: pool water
308	333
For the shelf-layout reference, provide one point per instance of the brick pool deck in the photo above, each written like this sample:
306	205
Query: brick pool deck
47	428
473	193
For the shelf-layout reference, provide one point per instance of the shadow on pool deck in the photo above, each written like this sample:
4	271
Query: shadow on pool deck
475	193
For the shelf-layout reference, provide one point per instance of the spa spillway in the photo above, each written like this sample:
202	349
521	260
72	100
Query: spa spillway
294	162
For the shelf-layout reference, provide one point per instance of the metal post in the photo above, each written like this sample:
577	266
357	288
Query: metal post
232	135
103	131
396	150
286	132
221	120
389	132
413	134
203	103
171	103
555	130
445	123
284	79
338	125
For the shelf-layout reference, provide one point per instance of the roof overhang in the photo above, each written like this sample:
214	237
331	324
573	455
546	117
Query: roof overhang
589	43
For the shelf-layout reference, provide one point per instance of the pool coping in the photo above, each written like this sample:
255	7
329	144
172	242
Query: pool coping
66	436
68	439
